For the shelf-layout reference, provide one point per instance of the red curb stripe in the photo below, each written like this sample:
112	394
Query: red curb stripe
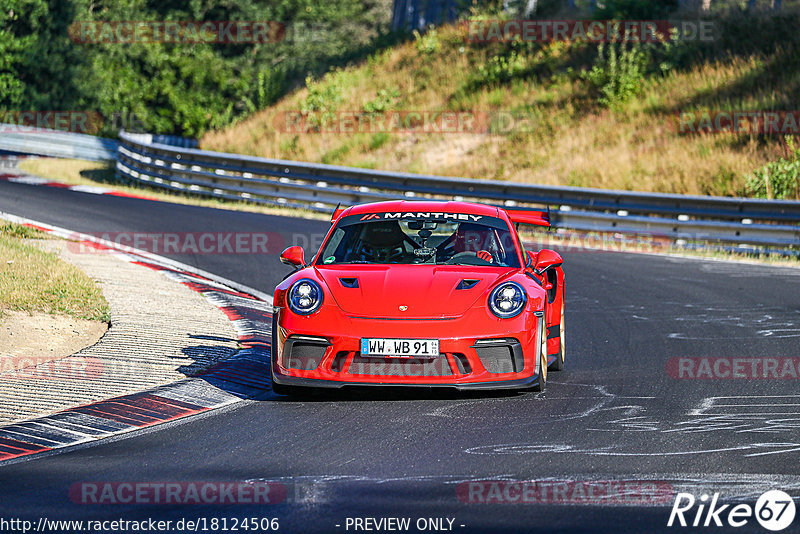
153	404
10	456
118	415
205	288
250	342
11	448
61	185
18	445
173	402
238	313
95	245
196	286
133	408
140	410
41	228
231	313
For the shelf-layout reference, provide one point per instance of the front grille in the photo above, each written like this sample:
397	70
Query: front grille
500	356
303	354
400	366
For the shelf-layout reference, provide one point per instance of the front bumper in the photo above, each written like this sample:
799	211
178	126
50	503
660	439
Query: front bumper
477	351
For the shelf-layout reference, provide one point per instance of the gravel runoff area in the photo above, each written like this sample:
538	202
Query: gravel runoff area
161	331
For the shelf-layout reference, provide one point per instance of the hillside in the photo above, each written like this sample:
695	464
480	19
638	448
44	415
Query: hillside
579	117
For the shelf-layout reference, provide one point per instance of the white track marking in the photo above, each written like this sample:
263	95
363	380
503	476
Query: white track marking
93	189
30	180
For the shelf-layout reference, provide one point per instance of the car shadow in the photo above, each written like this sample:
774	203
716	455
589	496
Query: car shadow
394	394
246	374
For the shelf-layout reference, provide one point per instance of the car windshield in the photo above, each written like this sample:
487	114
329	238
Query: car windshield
376	239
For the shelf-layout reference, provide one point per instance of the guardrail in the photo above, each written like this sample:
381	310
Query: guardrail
41	142
175	164
321	187
58	144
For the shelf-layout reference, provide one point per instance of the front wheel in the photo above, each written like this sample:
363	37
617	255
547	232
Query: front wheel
282	389
279	389
558	365
541	383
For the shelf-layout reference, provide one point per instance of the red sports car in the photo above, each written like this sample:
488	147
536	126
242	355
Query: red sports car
420	293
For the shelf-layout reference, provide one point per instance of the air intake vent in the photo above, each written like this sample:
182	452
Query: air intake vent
349	282
467	283
304	353
500	355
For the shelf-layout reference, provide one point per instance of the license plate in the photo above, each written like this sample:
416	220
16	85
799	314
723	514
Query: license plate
400	348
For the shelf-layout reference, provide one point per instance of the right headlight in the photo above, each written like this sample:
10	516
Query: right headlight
305	297
507	300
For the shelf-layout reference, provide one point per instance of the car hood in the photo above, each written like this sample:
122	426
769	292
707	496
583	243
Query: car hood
425	290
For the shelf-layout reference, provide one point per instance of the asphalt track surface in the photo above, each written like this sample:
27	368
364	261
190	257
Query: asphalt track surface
614	414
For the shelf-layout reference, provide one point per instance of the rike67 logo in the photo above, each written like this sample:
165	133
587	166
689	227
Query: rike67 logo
774	510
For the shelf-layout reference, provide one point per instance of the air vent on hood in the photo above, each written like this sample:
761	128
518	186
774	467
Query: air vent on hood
467	283
349	282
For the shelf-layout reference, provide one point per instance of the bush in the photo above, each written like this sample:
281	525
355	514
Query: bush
778	179
322	96
617	73
384	100
427	43
378	140
499	69
174	88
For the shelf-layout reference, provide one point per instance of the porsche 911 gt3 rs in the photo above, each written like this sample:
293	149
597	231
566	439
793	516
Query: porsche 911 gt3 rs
420	293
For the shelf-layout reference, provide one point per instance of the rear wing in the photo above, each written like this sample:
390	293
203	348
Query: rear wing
529	216
517	216
337	212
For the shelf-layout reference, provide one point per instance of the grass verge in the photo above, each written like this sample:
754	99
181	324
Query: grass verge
32	280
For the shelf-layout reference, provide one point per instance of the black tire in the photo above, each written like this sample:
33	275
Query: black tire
558	365
281	389
541	382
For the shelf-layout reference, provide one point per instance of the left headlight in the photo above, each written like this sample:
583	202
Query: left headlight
305	297
507	300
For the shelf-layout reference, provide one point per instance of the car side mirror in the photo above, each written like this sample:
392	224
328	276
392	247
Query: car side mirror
547	259
530	259
294	256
